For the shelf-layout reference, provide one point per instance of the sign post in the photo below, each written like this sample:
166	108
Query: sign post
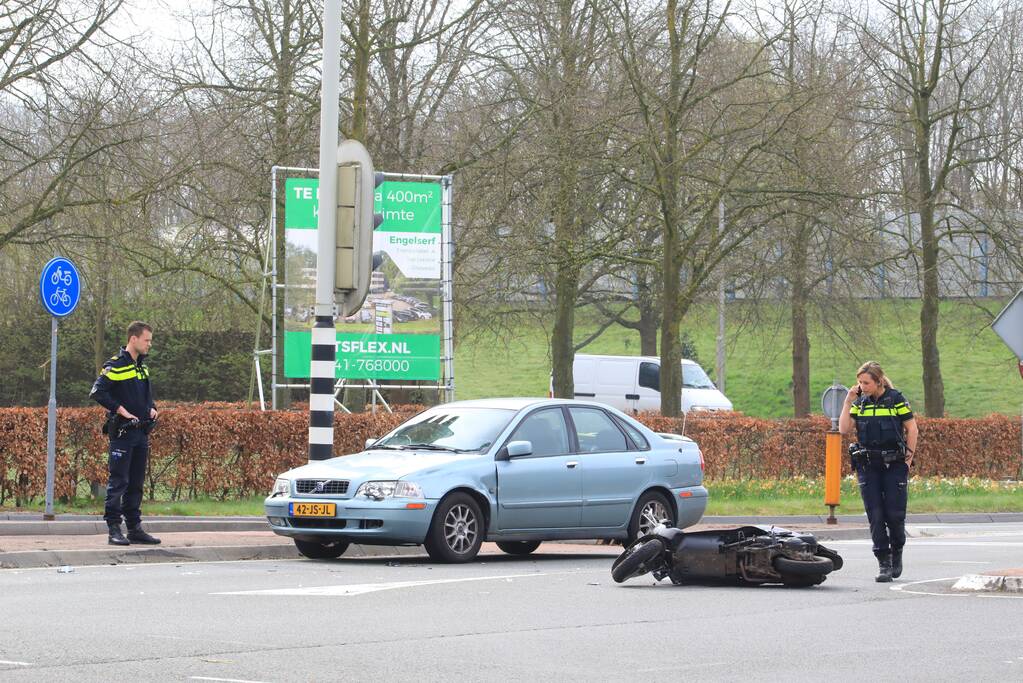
60	288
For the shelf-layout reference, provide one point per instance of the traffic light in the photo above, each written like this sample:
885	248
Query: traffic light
356	220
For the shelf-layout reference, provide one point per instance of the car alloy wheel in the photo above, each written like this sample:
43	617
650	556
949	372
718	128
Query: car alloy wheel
461	527
457	530
651	509
652	515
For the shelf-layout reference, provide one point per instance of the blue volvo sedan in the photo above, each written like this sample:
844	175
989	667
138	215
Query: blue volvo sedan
517	471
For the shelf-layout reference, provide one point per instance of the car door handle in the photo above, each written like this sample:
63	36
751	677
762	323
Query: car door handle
640	461
631	397
571	465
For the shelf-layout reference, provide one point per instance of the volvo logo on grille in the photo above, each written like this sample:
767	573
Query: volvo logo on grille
319	487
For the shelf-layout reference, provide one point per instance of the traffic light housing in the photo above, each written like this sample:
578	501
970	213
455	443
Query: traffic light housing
355	222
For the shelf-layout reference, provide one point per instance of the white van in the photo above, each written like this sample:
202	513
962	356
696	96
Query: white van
632	383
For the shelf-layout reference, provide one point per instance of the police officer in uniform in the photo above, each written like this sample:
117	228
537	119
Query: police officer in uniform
887	434
123	389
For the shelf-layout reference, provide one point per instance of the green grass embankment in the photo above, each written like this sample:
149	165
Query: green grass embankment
979	371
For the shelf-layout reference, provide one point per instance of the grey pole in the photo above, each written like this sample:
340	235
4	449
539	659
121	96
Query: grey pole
721	307
324	335
447	293
51	421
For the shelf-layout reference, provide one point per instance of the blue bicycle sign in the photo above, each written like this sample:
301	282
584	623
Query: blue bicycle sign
60	287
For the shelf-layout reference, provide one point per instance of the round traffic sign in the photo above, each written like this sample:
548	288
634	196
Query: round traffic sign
833	400
60	287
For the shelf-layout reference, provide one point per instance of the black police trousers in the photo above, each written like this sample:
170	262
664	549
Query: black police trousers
883	489
128	456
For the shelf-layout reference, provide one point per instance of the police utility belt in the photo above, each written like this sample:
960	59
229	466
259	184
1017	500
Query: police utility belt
117	427
861	455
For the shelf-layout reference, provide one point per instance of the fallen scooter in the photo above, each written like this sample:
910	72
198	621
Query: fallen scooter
745	555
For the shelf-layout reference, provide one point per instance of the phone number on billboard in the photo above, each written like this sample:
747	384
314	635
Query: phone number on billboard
376	365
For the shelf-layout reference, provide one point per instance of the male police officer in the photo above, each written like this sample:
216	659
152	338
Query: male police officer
123	389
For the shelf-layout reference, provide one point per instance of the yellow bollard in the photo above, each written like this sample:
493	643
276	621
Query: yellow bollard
832	472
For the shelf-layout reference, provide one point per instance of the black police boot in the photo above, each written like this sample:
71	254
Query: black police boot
884	563
896	563
115	536
137	535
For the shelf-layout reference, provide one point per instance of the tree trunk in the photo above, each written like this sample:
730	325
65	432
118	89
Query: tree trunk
800	354
100	352
934	386
648	330
800	339
280	155
671	350
566	231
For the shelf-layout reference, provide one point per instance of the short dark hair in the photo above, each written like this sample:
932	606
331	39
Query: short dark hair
137	327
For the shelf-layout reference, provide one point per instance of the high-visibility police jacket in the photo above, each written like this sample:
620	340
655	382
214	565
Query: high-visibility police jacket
124	382
879	423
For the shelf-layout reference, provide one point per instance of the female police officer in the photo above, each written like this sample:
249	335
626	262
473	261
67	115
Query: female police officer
887	435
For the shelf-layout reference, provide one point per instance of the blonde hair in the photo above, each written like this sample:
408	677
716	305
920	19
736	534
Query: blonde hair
873	368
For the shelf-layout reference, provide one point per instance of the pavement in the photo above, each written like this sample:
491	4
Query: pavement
28	541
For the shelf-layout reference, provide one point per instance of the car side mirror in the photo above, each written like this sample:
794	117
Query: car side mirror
369	443
514	448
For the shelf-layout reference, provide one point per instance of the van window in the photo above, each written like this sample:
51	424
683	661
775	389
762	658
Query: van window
693	377
596	431
546	430
650	376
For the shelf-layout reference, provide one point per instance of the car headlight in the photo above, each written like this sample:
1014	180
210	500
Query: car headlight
378	490
282	487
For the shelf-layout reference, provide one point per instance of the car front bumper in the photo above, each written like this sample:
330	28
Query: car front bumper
387	522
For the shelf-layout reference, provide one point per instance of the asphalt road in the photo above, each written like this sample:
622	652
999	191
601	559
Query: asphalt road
552	616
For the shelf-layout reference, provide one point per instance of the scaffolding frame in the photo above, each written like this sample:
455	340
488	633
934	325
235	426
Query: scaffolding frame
445	385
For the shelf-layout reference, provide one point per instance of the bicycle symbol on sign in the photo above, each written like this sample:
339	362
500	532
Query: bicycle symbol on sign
60	296
61	275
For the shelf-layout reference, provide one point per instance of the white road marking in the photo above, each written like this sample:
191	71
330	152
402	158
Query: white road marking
363	588
10	663
226	680
903	587
916	542
963	562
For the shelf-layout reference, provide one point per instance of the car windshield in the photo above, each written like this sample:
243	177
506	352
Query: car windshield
447	428
693	377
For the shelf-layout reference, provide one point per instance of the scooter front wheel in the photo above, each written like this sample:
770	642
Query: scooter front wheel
817	565
633	562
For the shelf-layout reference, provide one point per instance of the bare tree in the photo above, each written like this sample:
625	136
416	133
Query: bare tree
926	55
691	74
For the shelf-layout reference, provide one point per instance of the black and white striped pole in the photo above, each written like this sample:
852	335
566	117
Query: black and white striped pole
344	241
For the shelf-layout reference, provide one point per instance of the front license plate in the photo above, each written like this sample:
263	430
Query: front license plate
312	509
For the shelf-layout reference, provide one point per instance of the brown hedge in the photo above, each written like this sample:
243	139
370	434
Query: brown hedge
225	451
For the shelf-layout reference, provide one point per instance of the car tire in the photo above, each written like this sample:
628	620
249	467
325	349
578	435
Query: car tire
644	516
817	565
518	547
456	532
633	561
321	551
